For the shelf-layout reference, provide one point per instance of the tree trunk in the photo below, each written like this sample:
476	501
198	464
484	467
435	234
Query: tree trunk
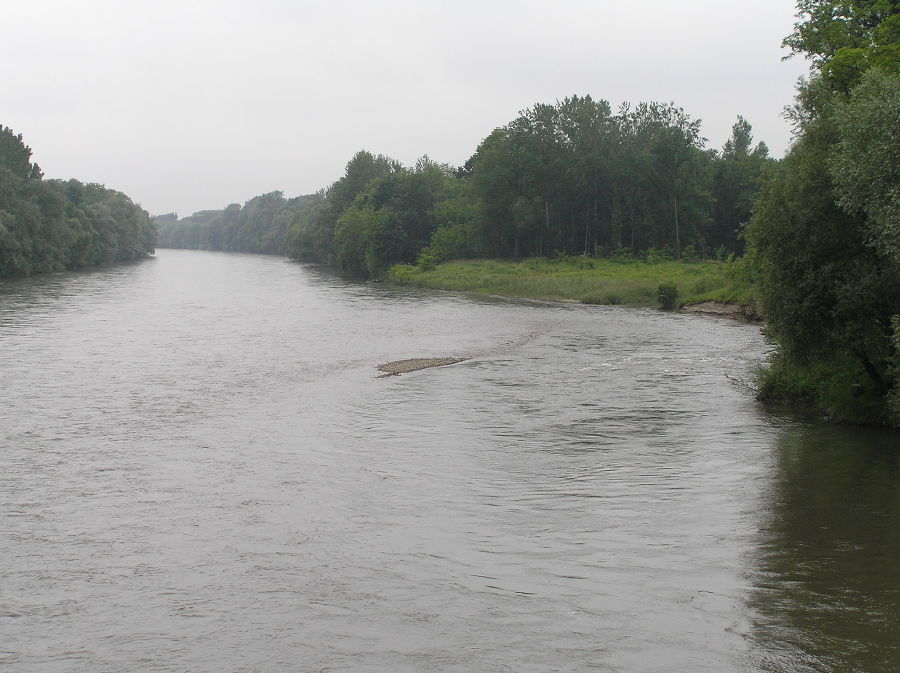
880	386
675	204
587	229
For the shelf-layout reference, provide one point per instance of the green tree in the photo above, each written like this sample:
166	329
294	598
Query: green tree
312	234
15	155
50	225
353	233
865	164
847	37
736	182
823	235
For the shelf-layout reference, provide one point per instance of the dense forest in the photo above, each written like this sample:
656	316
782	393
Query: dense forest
51	225
572	177
260	226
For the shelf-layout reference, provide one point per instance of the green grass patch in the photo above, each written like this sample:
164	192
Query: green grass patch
590	281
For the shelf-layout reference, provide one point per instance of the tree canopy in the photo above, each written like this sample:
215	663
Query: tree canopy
51	225
824	234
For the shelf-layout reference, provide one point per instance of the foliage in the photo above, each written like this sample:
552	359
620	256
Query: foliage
577	178
667	295
51	225
575	278
260	226
690	254
571	177
312	234
844	39
828	386
393	219
656	255
735	184
15	155
865	164
823	236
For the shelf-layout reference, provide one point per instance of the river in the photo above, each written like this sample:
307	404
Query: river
200	470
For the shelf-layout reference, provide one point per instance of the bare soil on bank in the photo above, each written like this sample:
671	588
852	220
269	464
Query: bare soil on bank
724	309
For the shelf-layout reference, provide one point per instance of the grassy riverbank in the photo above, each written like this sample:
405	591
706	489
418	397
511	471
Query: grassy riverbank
590	281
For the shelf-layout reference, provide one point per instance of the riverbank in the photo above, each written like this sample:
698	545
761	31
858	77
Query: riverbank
700	285
839	390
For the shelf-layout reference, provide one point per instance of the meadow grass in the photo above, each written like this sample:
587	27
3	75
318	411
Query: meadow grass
587	280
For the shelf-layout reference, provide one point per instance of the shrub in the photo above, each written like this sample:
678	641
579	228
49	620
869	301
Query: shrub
838	388
621	254
458	241
583	262
657	255
690	254
722	253
403	273
427	260
667	295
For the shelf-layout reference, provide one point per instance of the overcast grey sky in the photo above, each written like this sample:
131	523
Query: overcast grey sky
187	105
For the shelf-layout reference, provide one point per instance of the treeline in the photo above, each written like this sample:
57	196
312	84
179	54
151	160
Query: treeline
825	234
260	226
51	225
571	177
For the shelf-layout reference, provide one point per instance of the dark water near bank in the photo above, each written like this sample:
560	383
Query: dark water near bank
200	471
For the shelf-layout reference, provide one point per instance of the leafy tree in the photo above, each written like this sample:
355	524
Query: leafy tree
575	178
865	164
15	155
353	233
736	182
50	225
393	220
824	233
312	234
847	37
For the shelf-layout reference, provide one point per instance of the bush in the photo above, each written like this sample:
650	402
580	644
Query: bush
838	388
403	274
458	241
667	295
427	260
621	254
583	262
722	253
690	254
657	255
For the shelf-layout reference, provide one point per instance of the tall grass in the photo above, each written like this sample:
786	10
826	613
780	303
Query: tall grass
590	281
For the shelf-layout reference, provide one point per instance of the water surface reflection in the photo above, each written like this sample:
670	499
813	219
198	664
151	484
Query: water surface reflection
827	564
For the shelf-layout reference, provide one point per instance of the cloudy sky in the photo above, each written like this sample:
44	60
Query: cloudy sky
193	104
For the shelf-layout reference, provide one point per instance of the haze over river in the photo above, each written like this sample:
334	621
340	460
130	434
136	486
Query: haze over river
201	471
